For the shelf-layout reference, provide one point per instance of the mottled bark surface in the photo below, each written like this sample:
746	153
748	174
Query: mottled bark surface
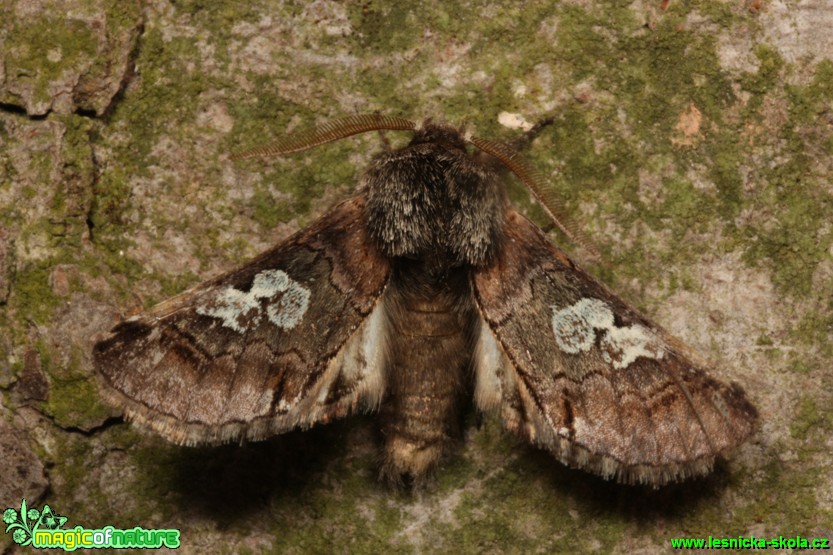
693	143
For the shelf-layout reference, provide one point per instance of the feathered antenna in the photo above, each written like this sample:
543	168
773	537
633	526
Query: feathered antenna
326	133
536	184
353	125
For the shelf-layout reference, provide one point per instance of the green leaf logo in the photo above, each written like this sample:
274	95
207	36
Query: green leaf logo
23	524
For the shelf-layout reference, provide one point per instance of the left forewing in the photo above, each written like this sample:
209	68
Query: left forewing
573	368
295	337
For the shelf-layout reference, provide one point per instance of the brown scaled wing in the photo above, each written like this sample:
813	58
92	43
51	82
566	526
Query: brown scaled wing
572	368
290	339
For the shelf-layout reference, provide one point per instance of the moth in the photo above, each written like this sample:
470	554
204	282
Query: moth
424	288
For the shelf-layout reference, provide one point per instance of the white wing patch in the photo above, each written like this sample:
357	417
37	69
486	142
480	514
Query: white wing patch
241	311
490	364
575	330
362	363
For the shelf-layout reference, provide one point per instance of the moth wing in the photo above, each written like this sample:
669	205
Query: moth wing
573	368
295	337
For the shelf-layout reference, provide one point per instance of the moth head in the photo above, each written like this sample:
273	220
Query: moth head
440	134
435	201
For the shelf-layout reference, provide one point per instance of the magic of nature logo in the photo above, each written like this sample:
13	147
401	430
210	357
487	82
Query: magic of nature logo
43	529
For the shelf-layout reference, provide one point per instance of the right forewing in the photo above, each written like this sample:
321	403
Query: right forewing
575	369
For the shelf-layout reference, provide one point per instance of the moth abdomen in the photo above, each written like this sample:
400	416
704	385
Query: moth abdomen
430	340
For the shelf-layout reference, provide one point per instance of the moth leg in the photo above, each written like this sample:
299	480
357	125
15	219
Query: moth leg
523	142
383	137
